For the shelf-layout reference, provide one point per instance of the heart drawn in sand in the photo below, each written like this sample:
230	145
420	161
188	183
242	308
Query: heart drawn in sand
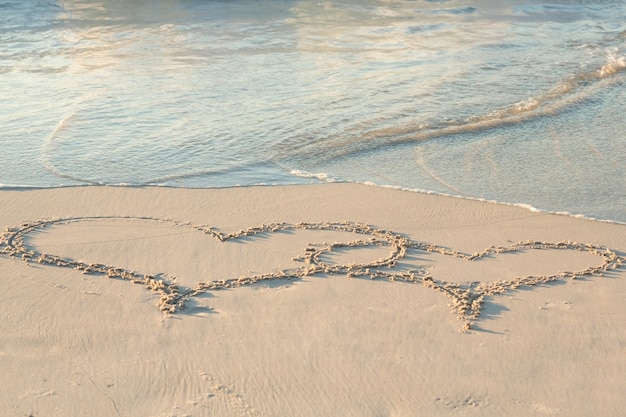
466	299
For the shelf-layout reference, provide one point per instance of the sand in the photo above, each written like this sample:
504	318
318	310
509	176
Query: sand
317	300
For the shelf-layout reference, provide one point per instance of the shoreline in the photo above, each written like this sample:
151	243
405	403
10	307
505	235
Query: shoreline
275	328
368	184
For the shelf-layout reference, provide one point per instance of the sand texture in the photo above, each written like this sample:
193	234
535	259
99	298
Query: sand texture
333	300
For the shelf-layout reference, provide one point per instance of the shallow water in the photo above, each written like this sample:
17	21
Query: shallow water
514	101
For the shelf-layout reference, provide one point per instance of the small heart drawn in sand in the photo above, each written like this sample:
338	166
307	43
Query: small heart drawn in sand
466	299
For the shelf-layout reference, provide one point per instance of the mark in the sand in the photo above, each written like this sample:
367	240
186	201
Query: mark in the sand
466	300
461	403
236	402
216	397
544	409
38	394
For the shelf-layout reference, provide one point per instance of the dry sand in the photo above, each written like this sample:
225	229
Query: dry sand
320	300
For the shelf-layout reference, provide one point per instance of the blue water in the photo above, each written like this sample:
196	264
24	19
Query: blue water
513	101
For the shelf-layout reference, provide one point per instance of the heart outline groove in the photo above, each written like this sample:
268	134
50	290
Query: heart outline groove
466	300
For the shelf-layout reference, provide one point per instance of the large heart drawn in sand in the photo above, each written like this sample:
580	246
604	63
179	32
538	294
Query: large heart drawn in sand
466	297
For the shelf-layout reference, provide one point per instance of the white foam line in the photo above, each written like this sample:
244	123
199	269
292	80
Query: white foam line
484	200
320	175
460	195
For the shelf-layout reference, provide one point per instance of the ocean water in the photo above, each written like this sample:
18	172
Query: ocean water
515	101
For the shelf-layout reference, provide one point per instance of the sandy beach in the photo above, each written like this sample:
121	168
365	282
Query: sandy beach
314	300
